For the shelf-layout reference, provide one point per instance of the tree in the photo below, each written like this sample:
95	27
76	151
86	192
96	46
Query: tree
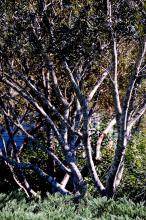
51	55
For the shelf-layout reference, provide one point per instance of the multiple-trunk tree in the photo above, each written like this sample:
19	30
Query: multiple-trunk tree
56	63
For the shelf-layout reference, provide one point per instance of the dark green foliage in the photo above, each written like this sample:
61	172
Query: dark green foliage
15	206
134	181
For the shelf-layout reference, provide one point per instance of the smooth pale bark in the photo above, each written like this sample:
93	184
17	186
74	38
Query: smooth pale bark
116	170
99	83
122	111
90	162
69	154
86	137
65	180
101	138
136	117
57	89
38	101
116	96
76	123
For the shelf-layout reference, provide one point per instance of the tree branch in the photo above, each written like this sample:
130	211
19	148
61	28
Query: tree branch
98	83
40	172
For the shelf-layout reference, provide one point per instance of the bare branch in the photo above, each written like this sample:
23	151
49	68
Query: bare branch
101	138
65	180
40	172
18	124
38	107
57	89
136	117
132	82
86	138
115	80
46	102
99	83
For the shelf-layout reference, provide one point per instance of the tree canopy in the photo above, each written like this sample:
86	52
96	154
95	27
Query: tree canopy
61	62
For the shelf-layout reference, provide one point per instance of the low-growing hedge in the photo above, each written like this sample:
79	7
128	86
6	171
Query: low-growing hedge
56	207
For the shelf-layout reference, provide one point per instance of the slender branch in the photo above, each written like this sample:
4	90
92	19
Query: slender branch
47	103
38	107
76	122
48	151
115	81
99	83
56	159
116	96
46	78
86	138
132	83
65	180
39	171
136	117
17	124
75	85
101	138
57	89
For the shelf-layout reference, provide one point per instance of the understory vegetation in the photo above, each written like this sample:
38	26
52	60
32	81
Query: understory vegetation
72	109
15	206
133	185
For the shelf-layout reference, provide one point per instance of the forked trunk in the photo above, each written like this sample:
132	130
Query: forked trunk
116	170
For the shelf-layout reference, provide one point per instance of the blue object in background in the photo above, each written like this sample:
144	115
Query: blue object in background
19	139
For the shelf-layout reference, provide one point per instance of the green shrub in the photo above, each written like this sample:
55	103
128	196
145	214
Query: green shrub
16	207
134	180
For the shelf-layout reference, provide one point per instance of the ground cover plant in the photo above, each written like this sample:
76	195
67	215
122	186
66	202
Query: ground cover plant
72	109
15	206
